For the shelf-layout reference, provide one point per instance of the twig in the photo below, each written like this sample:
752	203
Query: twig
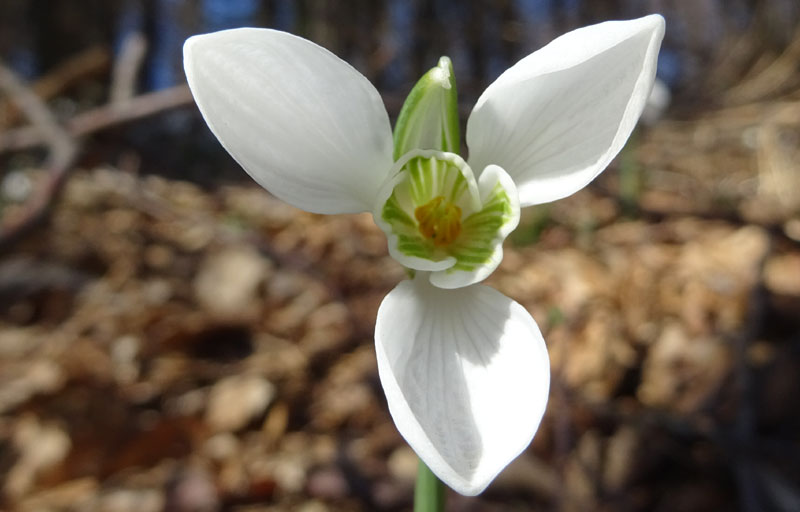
62	152
126	68
90	62
102	117
136	108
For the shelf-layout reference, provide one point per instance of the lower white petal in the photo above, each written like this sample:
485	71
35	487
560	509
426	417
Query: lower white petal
466	376
303	123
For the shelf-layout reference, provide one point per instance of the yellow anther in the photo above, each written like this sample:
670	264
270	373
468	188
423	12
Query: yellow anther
439	221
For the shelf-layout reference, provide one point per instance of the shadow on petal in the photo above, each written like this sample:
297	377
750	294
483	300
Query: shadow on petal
466	375
438	396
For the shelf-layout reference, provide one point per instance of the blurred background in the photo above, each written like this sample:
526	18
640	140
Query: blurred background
174	338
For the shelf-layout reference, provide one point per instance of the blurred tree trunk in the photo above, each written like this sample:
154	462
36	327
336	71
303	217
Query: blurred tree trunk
64	27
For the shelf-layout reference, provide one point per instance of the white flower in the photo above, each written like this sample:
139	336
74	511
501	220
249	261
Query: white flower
465	371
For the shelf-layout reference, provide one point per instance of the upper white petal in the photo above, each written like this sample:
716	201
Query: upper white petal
557	118
466	375
302	122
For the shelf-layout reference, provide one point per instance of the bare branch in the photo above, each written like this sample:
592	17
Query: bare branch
103	117
62	152
92	61
126	68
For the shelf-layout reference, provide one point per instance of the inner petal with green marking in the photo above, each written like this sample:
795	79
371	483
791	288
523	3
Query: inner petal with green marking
439	218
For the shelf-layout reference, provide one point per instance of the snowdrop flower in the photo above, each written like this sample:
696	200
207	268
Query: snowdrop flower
464	368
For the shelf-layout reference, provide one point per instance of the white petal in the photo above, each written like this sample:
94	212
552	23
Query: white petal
466	375
302	122
557	118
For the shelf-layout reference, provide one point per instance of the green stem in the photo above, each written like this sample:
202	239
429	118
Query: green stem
429	492
630	177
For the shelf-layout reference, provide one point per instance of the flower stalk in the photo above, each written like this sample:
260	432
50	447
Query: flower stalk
429	492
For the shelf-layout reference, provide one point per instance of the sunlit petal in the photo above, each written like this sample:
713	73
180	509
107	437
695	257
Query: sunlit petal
557	118
302	122
466	375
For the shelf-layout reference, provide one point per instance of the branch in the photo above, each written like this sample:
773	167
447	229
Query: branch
126	68
103	117
92	61
62	153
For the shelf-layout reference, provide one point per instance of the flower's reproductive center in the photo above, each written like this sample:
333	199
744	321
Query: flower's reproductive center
439	221
432	196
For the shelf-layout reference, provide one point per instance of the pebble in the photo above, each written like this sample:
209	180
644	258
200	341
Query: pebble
236	401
